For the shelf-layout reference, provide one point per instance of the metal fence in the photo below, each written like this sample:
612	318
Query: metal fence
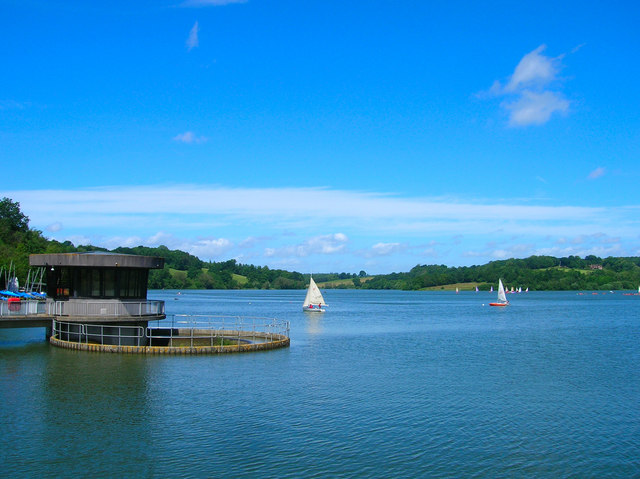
23	308
99	334
82	308
206	330
178	331
113	309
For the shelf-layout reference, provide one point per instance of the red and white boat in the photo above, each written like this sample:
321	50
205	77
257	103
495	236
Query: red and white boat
502	297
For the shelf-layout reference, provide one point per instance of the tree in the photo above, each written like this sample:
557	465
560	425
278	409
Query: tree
11	217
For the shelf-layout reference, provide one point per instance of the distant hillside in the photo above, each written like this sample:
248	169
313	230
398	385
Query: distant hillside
535	272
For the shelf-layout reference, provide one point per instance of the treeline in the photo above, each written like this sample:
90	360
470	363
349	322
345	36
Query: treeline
185	271
535	273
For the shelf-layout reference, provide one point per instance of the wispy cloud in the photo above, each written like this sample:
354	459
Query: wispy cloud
192	40
220	222
386	219
323	244
54	227
532	108
532	92
189	137
597	173
210	248
533	71
14	105
385	249
210	3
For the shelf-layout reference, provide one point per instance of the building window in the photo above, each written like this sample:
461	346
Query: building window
96	290
110	283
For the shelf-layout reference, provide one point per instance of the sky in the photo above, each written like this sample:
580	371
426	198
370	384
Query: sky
325	136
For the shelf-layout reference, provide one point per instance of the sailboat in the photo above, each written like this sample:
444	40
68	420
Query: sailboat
502	298
314	302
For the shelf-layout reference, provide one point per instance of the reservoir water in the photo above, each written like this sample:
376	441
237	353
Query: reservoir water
385	384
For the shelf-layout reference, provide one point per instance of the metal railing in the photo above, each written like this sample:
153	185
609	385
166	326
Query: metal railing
112	309
99	334
178	331
23	308
207	330
83	308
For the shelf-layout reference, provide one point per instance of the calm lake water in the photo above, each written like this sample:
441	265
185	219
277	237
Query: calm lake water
385	384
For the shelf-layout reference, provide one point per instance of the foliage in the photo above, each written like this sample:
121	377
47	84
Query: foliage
535	273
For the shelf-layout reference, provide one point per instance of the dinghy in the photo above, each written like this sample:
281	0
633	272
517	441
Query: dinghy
502	297
314	302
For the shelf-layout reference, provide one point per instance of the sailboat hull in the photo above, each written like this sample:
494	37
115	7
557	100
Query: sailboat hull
498	304
313	310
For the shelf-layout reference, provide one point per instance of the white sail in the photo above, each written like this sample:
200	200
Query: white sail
314	296
501	295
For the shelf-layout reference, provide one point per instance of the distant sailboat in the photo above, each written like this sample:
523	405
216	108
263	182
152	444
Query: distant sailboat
314	302
502	297
477	289
457	290
491	291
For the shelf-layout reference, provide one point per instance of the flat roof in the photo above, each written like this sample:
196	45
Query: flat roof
97	260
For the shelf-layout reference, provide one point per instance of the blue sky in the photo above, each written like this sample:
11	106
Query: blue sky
326	136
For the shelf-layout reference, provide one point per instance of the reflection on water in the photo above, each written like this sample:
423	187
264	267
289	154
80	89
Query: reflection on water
314	324
384	384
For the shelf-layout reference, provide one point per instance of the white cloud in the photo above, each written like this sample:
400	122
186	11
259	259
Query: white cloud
532	93
210	3
53	227
532	108
533	70
597	173
209	248
323	244
256	223
189	137
386	249
288	208
192	41
13	105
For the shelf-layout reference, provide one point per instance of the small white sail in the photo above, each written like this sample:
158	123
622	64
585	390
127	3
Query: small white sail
313	300
502	297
